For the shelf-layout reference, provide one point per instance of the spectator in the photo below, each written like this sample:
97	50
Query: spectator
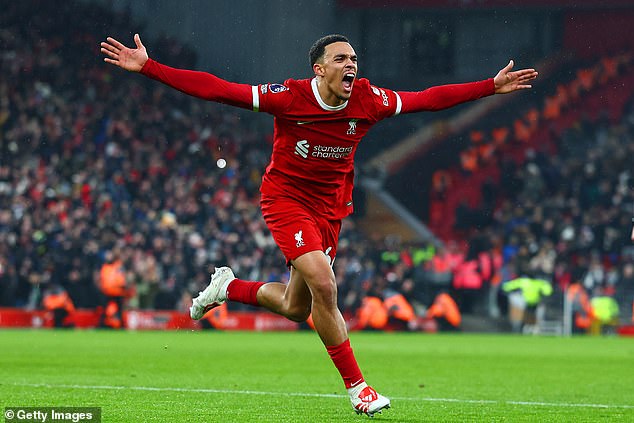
57	302
527	296
115	288
625	292
606	314
445	312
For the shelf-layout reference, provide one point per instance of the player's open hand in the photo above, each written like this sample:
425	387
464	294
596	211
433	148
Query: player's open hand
131	59
507	81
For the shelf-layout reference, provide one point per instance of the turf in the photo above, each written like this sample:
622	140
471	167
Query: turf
288	377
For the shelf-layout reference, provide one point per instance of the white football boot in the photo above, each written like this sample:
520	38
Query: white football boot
214	295
366	400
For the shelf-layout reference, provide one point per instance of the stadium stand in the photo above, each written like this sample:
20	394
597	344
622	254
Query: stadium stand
94	166
90	165
558	194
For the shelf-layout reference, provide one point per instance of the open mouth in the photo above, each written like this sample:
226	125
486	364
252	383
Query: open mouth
348	80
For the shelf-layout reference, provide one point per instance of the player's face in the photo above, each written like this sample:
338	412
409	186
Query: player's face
337	70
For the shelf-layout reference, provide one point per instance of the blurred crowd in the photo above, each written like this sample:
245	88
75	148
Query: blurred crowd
551	196
99	167
567	217
104	170
96	163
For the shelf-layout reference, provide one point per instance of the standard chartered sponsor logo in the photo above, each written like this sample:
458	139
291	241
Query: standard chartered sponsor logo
331	152
303	149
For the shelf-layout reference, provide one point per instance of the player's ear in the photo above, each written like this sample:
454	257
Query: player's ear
318	69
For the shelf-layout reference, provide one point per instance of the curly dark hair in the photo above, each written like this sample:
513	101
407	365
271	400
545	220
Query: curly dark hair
316	52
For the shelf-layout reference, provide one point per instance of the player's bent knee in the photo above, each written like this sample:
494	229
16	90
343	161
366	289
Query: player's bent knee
298	314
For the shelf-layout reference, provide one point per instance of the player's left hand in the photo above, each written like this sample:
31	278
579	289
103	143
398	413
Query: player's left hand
507	81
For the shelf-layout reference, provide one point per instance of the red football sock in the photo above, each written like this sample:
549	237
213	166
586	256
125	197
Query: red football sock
344	360
243	291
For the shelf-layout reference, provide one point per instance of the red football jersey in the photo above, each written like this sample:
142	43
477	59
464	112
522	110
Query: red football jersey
314	143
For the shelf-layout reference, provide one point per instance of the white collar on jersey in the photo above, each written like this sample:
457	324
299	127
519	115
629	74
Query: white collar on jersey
321	102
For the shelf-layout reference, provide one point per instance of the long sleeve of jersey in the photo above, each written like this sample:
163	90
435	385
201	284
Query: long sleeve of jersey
445	96
201	84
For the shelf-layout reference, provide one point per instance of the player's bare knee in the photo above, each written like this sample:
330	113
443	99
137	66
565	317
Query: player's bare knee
324	291
296	310
298	313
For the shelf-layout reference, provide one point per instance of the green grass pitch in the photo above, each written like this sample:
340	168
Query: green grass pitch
288	377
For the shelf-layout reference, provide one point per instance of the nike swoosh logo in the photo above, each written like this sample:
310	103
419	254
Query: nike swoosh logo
356	383
304	122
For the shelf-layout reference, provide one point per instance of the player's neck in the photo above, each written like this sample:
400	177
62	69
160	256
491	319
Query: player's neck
326	94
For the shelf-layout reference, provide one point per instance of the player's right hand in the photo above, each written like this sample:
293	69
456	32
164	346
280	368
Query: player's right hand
131	59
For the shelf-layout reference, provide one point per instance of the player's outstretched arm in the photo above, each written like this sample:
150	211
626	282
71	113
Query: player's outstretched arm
507	81
130	59
198	84
444	96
